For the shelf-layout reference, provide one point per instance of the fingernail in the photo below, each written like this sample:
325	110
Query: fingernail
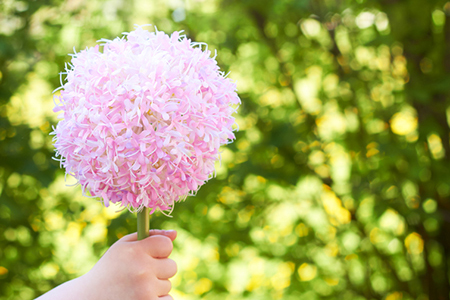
169	231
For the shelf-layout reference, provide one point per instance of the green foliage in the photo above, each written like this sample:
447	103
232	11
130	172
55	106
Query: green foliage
337	184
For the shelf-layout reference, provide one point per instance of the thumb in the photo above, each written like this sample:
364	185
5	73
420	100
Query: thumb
171	234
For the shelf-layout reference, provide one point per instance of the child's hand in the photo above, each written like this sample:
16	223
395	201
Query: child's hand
133	269
130	269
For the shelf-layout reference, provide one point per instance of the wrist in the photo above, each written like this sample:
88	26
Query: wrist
74	289
86	289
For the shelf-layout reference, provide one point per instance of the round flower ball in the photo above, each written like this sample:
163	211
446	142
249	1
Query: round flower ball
142	121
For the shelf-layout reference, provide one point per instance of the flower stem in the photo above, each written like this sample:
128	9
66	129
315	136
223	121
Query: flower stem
143	223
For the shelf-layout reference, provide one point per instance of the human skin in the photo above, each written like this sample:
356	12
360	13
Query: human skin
130	269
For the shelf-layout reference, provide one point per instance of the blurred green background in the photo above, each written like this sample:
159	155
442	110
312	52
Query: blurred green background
337	186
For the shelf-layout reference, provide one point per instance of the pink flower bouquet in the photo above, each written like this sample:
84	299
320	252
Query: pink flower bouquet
142	122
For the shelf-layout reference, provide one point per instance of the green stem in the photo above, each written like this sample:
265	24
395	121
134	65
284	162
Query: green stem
143	223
